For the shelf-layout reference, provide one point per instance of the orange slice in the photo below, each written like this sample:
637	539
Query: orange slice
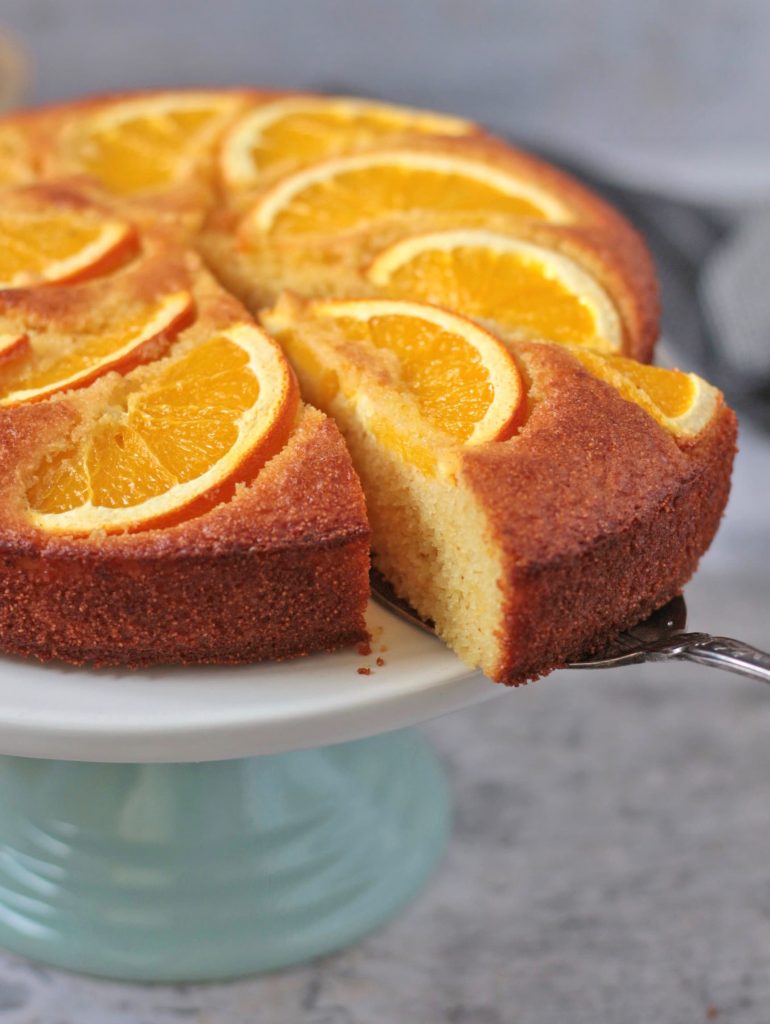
462	378
683	403
44	243
349	191
175	439
523	289
420	378
290	133
147	142
54	364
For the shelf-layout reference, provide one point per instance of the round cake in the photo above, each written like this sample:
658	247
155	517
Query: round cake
247	336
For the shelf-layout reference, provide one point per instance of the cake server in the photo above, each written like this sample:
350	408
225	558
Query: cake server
661	637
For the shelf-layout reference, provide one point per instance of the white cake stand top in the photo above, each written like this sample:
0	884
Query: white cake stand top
213	713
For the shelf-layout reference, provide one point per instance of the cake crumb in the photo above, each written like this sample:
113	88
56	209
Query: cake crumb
380	662
364	671
364	647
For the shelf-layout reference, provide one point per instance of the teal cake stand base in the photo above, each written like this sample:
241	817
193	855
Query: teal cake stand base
194	872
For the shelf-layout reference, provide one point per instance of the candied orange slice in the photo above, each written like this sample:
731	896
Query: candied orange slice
525	290
52	363
146	143
44	243
290	133
349	191
683	403
174	439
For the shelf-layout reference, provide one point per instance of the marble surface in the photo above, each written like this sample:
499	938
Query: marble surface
609	864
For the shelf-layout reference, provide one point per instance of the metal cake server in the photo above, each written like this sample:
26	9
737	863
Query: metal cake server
661	637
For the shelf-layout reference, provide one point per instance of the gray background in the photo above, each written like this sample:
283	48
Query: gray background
675	84
611	863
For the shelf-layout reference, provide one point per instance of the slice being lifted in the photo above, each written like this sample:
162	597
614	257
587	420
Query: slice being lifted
289	133
525	290
489	508
173	438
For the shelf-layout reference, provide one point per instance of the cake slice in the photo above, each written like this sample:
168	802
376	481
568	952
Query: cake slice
530	514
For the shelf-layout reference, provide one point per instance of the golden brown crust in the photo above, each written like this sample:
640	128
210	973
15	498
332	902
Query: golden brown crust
280	570
600	515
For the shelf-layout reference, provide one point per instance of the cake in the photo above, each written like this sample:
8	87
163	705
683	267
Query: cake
471	331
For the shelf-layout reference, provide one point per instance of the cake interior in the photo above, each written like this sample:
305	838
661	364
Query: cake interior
431	536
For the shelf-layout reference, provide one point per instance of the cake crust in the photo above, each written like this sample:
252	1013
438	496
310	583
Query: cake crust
601	493
279	571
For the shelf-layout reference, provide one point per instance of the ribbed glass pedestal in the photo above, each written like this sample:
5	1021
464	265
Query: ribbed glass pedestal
190	872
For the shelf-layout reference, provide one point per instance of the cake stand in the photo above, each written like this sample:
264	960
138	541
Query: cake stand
198	824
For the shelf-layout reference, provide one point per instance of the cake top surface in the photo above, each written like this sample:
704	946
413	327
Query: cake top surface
107	308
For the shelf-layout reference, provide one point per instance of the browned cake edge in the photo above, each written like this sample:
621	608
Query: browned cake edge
621	517
279	571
